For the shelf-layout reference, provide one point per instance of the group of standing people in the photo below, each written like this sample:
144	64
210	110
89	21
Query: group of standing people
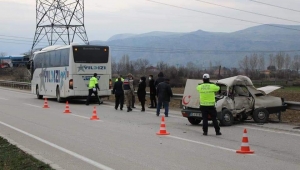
162	90
159	89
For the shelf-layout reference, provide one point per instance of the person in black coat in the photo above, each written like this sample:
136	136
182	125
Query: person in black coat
152	92
142	92
164	94
119	94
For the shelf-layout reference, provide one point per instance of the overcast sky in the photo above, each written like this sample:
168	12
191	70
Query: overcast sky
104	18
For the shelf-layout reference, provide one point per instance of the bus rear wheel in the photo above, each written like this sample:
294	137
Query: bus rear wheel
58	98
37	91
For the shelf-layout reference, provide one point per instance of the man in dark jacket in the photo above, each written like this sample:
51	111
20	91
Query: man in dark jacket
164	93
141	92
119	93
152	92
159	80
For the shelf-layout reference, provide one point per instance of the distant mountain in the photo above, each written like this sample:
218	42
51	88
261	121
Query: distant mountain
202	47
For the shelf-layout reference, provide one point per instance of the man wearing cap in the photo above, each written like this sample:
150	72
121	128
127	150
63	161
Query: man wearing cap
128	91
93	87
207	103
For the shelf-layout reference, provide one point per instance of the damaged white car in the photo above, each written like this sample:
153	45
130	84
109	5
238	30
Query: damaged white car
237	99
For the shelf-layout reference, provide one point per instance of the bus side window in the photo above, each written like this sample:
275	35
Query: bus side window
52	58
57	61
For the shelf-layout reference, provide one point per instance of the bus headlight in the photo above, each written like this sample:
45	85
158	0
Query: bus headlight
71	84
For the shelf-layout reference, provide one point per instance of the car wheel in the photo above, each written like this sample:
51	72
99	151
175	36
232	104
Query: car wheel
58	98
260	115
37	91
227	118
194	121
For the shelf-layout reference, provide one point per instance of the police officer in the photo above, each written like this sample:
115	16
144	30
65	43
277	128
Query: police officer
207	103
93	87
128	91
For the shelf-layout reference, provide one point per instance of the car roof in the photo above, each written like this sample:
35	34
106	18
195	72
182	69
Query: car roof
236	80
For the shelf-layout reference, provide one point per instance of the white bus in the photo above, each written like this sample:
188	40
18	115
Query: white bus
64	71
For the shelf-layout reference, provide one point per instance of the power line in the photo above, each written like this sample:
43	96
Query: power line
13	42
15	36
275	6
9	39
165	50
248	11
254	22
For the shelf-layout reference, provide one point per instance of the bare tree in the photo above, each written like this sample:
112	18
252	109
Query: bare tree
2	54
161	66
261	62
140	65
287	61
114	66
271	60
124	65
279	60
244	65
253	63
296	63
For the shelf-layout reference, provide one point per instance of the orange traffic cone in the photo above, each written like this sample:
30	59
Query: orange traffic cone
94	116
46	103
245	148
162	130
67	110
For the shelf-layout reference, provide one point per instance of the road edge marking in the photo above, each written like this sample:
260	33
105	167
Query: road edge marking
85	159
32	153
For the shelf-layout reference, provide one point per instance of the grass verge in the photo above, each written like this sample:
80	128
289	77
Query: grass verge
13	158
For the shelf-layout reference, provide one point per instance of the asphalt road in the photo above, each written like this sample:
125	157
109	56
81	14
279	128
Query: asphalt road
122	140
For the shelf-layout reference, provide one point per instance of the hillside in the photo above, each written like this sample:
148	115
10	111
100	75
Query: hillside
202	47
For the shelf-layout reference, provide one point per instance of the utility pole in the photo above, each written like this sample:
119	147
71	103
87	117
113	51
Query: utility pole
59	21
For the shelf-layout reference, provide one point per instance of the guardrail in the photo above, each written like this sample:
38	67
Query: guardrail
292	105
15	84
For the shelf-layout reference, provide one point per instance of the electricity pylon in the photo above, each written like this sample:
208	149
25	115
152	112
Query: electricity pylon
59	21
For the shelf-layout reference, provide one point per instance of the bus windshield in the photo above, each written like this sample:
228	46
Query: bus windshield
90	54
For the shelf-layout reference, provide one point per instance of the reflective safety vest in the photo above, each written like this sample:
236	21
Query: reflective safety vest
121	79
93	82
207	94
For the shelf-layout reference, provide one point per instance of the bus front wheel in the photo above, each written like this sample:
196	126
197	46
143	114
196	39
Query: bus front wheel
38	93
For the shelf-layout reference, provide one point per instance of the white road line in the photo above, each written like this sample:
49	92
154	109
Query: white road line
273	131
37	156
32	105
3	98
202	143
154	113
85	159
84	117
